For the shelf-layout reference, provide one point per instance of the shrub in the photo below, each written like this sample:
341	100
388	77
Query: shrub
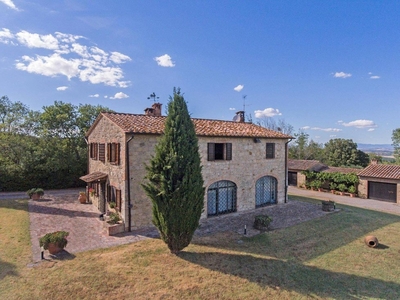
32	191
261	222
57	237
112	204
114	218
352	189
342	187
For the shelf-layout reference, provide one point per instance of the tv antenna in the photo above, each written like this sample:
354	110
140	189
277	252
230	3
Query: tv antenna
153	96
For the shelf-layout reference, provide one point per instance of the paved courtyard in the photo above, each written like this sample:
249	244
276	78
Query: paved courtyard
62	211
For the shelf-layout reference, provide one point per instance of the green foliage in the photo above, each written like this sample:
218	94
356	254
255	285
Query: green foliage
114	218
352	189
57	237
342	187
302	148
332	186
318	179
262	222
341	152
46	148
396	144
32	191
112	204
175	183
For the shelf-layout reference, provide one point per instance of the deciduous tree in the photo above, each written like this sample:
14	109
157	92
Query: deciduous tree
396	144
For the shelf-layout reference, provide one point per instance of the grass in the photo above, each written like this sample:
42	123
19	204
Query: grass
323	258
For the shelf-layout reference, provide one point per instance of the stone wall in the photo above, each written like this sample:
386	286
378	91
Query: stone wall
248	164
363	186
107	132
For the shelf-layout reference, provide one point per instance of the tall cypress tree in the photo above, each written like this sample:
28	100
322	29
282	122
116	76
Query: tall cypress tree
175	183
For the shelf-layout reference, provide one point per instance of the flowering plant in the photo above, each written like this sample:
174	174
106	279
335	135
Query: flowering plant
91	191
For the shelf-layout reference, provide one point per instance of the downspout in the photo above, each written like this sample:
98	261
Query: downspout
128	175
286	169
87	166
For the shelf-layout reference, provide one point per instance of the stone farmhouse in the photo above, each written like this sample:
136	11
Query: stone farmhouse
244	166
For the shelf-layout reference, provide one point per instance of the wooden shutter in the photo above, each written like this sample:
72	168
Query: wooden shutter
211	151
270	152
118	199
109	147
117	150
228	151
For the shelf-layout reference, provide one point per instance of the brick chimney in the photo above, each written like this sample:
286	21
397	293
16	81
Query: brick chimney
239	117
154	111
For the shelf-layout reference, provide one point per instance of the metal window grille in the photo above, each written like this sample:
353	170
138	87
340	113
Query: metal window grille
266	191
221	198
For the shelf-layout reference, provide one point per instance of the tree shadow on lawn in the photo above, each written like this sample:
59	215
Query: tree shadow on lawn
7	269
292	276
34	207
309	239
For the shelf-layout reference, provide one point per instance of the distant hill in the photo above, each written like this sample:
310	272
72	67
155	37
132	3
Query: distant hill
379	149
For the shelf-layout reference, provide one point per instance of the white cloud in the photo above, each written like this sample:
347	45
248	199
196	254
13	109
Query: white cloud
360	124
332	136
9	3
119	95
62	88
94	96
164	61
232	108
321	129
371	129
268	112
34	40
375	77
68	57
239	88
341	75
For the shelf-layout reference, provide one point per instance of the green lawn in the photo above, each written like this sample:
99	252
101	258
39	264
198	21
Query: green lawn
323	258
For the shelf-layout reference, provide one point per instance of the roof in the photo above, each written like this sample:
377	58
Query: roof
381	171
303	165
134	123
341	170
95	176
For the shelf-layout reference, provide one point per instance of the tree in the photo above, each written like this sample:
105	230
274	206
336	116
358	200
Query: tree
396	144
344	153
279	125
301	148
175	182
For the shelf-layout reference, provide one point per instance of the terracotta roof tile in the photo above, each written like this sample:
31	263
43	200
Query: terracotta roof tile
310	165
95	176
155	125
381	171
341	170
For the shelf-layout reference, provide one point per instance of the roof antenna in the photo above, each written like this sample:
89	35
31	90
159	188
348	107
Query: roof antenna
153	96
244	107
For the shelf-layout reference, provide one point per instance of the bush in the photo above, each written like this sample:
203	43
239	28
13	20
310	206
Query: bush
57	237
32	191
261	222
342	187
352	189
114	218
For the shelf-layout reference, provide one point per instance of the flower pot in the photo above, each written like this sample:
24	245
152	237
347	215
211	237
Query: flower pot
328	205
371	241
35	196
54	248
82	198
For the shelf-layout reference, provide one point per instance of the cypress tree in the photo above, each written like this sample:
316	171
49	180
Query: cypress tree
175	183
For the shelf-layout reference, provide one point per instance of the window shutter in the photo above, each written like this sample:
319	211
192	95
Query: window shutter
211	151
270	153
117	154
228	149
109	145
118	200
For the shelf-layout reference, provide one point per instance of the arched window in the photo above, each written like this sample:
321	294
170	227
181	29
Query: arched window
221	198
266	191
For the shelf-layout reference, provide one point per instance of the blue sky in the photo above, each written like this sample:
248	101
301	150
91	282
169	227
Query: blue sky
331	68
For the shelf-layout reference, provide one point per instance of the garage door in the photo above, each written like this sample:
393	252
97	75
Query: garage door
382	191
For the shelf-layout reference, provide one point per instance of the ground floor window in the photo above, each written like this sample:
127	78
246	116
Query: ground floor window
266	191
221	198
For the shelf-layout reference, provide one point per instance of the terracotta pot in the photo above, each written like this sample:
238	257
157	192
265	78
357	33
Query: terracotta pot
54	248
371	241
82	198
35	196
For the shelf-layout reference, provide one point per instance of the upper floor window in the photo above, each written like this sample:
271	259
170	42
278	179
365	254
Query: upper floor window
270	153
219	151
113	150
94	149
102	152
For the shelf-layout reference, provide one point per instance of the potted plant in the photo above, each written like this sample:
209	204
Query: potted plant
261	222
328	205
54	241
82	197
333	187
35	193
352	191
91	191
342	188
